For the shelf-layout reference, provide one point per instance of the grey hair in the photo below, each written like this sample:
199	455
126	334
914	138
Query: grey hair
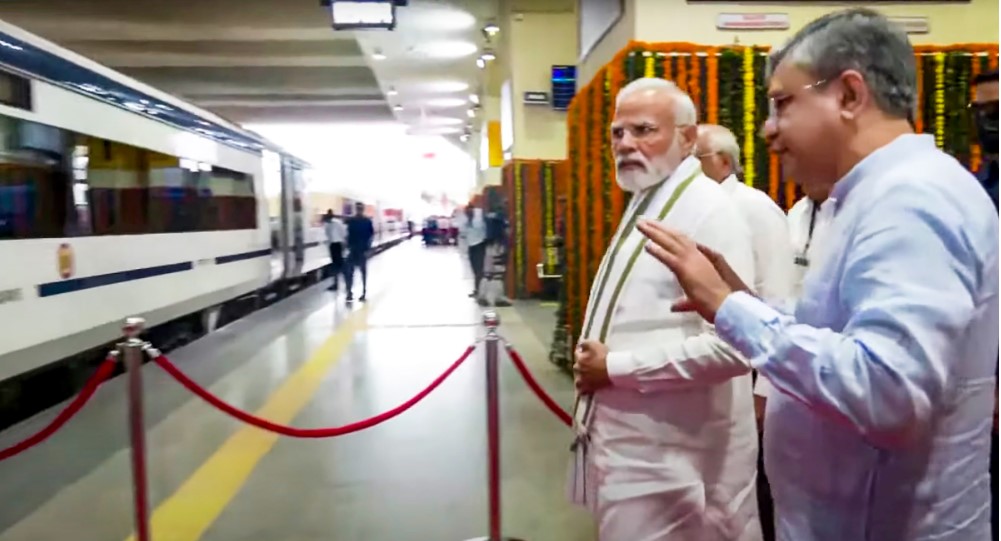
863	40
722	140
684	107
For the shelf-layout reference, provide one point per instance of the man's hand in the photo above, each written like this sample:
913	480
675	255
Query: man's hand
703	274
590	367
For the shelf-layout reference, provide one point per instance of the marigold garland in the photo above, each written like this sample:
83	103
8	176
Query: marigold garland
974	144
940	99
681	76
749	105
648	68
694	82
712	91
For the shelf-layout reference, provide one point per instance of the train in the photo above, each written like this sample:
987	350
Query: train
119	200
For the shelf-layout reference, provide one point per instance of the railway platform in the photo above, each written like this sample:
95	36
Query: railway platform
309	362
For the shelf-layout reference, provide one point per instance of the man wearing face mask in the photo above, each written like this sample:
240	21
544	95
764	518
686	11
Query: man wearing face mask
880	428
667	446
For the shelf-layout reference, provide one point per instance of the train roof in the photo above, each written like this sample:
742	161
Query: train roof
38	58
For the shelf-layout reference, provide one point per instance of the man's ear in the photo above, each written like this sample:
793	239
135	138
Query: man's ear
689	136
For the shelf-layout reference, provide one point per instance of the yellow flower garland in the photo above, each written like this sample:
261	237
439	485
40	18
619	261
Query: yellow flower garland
749	104
940	99
648	70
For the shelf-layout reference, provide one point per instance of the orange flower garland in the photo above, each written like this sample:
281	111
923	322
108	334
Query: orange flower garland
974	147
694	84
712	91
681	77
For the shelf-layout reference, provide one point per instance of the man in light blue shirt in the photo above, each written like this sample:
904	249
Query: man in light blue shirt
880	429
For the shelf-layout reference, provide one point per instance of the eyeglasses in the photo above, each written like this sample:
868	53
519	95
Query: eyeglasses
776	104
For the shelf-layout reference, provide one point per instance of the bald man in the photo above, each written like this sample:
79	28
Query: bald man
667	448
774	274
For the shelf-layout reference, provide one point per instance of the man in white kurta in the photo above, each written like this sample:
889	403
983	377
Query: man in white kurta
719	154
671	443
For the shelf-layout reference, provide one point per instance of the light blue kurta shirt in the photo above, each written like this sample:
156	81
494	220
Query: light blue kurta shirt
881	427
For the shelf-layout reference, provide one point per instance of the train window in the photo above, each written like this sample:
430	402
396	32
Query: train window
118	187
15	90
55	183
33	182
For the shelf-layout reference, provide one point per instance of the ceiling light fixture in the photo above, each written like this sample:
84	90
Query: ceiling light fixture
474	99
488	55
378	55
397	108
391	92
363	14
471	113
491	29
480	63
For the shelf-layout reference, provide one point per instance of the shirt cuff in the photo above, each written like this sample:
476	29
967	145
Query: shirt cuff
619	365
743	321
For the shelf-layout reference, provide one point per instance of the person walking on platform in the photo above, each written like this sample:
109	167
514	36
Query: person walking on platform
880	426
666	445
472	237
495	261
335	231
360	234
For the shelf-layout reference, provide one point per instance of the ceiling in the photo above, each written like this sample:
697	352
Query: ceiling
279	61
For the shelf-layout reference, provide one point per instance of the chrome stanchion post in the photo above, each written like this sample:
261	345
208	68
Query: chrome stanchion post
491	321
132	355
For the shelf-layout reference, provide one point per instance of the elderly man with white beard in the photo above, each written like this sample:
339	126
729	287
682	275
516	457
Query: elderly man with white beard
667	446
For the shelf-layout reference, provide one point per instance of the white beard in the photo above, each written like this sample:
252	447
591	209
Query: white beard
654	170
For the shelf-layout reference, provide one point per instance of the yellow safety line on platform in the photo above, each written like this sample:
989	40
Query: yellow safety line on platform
188	513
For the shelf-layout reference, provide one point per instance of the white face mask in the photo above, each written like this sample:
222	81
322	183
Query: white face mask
653	171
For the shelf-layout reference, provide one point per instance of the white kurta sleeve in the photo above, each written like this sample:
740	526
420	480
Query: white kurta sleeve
773	255
773	264
702	359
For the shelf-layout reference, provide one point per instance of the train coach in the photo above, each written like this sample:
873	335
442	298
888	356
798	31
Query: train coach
118	200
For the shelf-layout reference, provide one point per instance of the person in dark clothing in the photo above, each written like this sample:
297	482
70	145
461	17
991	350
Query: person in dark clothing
360	235
985	117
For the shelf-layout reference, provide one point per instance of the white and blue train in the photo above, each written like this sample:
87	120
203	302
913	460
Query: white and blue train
119	200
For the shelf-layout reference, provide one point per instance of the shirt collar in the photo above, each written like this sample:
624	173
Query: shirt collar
730	183
901	148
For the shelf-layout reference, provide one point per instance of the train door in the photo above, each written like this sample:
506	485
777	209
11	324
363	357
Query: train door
274	193
293	216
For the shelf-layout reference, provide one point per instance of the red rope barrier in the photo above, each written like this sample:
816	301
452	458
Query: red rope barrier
519	363
89	388
264	424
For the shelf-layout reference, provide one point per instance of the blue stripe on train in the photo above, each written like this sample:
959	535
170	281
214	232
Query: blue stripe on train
89	282
100	280
241	257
